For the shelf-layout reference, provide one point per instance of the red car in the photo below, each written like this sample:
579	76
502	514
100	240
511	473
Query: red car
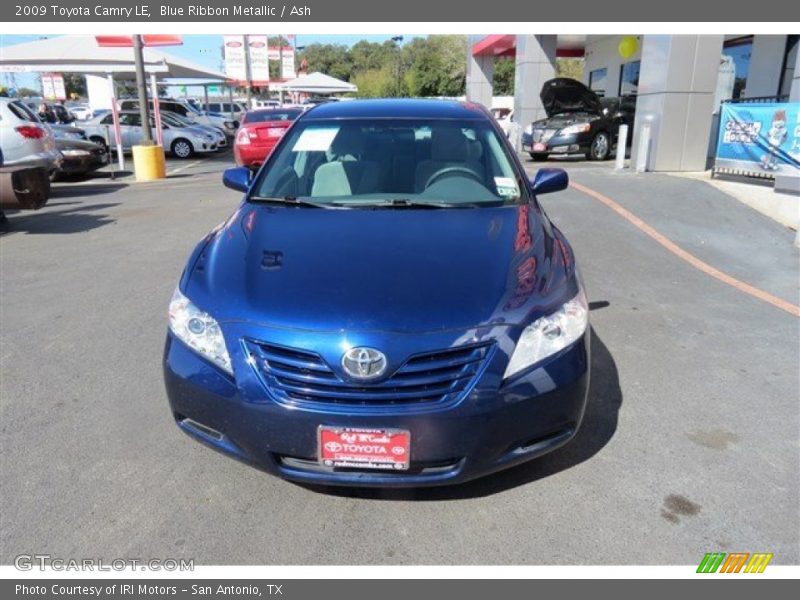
258	133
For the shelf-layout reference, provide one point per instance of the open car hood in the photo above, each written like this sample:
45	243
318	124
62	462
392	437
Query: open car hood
562	94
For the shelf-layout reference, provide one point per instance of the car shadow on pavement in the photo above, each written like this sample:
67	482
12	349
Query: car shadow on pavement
71	220
598	427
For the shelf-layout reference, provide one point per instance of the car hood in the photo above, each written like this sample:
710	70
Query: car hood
563	95
380	270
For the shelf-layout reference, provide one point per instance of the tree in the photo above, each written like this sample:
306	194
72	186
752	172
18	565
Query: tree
376	83
74	83
331	59
26	92
437	66
504	69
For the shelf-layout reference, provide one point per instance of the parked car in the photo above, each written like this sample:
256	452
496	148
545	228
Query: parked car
24	139
176	120
82	112
258	133
67	131
389	305
504	118
80	157
577	122
266	103
188	111
233	110
182	142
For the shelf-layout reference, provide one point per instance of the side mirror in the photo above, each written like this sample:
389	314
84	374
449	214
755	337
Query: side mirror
549	180
237	178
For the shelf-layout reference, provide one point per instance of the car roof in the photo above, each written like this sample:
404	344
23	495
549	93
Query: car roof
397	108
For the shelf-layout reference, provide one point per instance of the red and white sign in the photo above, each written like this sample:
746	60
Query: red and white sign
126	41
364	448
539	147
53	86
287	63
259	59
235	68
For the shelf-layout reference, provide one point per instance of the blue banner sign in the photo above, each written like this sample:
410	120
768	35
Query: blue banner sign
761	139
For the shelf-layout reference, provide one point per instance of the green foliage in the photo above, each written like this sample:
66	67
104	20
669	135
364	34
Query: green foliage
504	77
26	92
75	83
434	66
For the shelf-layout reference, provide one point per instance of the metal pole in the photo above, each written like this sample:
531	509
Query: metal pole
622	143
205	97
280	69
156	110
247	70
230	100
141	86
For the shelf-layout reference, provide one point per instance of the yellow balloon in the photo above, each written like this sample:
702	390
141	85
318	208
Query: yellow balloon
627	46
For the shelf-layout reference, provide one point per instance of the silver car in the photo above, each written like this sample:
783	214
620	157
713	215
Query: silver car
182	142
24	139
176	120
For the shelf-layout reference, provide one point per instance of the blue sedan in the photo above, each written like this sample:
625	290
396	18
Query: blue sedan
389	305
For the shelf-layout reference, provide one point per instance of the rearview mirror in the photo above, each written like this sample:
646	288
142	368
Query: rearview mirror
549	180
237	178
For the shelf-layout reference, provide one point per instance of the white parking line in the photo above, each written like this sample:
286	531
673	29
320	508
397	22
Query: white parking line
184	167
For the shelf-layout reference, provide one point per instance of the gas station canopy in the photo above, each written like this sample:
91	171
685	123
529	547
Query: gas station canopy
82	54
316	83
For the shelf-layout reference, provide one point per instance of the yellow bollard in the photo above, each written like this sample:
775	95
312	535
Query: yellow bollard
148	163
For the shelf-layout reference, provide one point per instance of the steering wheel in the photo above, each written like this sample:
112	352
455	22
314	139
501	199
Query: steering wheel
449	170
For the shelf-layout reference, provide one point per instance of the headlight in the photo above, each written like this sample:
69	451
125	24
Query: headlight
547	335
198	330
573	129
75	153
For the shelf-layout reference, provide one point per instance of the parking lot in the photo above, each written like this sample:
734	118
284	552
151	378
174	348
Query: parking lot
689	444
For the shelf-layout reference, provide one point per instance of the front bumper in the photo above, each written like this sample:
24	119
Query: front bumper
78	165
491	427
558	144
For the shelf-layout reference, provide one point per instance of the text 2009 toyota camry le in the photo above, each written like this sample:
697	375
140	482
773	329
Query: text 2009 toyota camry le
388	306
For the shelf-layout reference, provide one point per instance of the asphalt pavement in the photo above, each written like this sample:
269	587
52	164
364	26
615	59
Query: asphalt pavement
690	442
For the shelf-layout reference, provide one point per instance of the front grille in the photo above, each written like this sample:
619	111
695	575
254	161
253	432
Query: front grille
300	376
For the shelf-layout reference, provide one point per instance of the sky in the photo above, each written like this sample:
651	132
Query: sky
202	49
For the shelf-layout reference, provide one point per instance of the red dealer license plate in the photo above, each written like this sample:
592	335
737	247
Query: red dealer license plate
364	448
539	146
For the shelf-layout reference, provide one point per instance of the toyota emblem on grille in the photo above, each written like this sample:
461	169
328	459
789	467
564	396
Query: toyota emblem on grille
364	363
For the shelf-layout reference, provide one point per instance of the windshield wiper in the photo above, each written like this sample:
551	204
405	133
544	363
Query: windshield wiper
408	203
290	200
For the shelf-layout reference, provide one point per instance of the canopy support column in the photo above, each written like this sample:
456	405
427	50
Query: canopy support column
115	116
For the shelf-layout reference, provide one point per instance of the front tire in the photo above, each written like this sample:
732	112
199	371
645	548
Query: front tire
601	147
100	142
182	148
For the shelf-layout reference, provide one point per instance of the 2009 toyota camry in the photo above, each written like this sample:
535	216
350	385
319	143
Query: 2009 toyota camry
388	306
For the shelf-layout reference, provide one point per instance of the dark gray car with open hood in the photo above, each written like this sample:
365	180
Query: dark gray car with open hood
578	121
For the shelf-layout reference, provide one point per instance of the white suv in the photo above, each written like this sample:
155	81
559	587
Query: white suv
25	141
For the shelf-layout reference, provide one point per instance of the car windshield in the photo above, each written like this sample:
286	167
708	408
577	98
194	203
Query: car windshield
175	120
443	162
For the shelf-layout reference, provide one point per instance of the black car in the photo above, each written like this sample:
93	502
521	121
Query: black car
80	155
578	121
